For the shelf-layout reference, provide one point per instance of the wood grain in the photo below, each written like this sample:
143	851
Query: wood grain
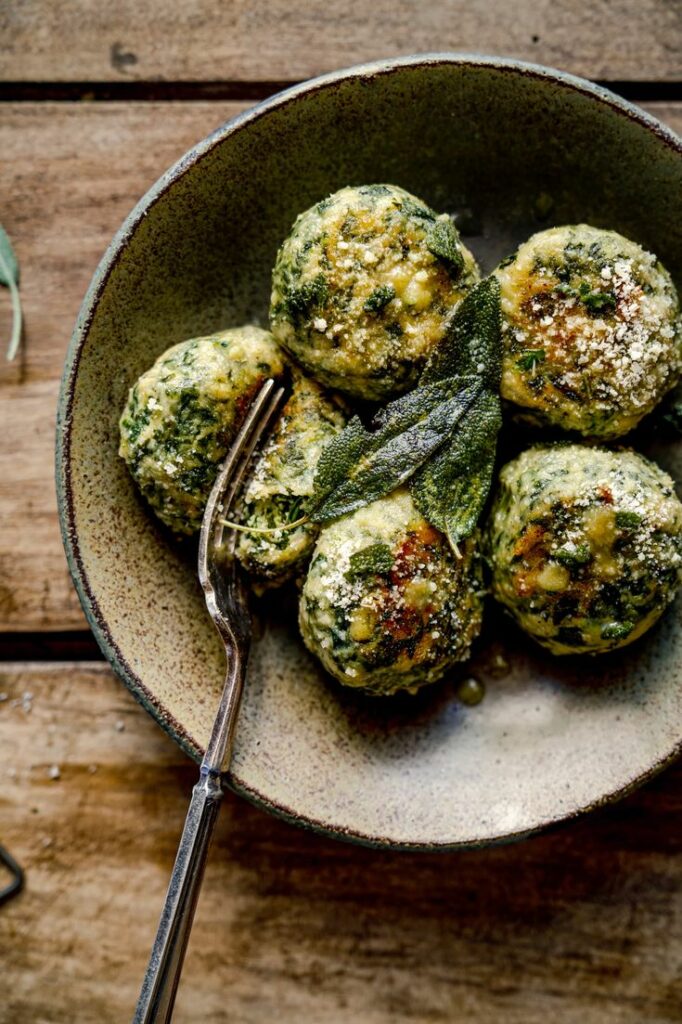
69	173
583	924
230	40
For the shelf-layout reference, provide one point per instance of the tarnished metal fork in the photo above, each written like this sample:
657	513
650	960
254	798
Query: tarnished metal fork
227	605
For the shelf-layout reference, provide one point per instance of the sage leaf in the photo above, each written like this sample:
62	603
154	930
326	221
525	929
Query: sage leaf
451	489
359	465
530	358
9	267
472	340
443	241
9	276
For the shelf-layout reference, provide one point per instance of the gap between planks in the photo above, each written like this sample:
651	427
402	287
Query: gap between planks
638	91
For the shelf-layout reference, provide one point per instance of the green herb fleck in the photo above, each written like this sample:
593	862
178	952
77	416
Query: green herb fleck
135	419
374	560
413	208
299	301
595	301
573	556
379	298
530	358
508	260
628	520
374	190
616	630
9	276
442	241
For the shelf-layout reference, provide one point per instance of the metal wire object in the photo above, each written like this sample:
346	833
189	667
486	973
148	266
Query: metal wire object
17	881
227	604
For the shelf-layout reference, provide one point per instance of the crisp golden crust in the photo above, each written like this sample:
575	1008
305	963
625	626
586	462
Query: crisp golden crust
386	606
591	332
358	298
585	546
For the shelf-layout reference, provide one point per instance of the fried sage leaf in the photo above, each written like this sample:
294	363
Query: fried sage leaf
360	465
451	489
472	341
9	276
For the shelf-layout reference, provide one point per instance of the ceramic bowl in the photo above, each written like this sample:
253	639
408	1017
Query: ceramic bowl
512	147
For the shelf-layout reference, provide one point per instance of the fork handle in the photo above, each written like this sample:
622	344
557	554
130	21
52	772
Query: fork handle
155	1005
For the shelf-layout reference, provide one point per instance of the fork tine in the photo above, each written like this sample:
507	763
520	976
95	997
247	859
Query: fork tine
231	474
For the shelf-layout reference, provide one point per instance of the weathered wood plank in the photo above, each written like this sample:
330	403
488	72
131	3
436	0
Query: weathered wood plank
228	40
69	173
582	924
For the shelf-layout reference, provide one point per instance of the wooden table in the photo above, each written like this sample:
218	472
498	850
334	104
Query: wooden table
580	925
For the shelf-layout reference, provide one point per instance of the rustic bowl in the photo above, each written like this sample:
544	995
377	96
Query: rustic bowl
513	147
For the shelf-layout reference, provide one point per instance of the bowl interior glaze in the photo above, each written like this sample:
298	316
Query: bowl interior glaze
517	148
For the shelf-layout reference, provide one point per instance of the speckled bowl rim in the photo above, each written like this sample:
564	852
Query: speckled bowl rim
84	320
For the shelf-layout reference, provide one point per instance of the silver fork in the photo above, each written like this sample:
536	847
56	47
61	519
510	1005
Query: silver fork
228	607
